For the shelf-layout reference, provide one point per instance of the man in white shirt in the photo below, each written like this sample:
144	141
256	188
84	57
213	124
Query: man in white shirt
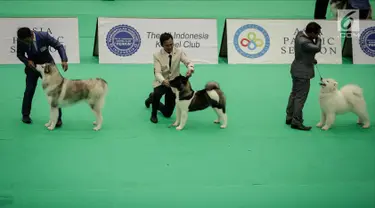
166	68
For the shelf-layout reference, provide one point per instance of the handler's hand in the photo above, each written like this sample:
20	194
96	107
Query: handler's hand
190	70
64	65
166	83
31	64
189	73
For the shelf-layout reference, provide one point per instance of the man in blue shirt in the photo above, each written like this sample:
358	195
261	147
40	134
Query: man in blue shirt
363	6
36	46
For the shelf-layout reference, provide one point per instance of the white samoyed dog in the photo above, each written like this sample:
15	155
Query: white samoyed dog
334	101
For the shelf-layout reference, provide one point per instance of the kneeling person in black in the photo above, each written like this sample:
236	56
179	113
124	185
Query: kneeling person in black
36	46
166	67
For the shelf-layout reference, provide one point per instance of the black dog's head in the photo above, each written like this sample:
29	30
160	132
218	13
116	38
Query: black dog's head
180	83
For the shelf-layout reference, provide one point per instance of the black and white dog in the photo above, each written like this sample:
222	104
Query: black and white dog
188	100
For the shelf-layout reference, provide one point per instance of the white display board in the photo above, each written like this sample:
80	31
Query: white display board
364	43
133	40
63	29
258	41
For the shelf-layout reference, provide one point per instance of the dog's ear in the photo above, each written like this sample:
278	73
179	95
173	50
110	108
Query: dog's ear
185	79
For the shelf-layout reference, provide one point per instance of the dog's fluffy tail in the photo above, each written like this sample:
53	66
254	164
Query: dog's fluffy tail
216	94
103	85
352	89
102	80
212	86
353	94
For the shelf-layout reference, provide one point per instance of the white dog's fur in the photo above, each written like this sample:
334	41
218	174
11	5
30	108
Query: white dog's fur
62	92
198	100
334	102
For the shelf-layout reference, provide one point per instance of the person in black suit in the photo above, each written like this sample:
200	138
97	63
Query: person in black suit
363	6
36	46
306	45
321	9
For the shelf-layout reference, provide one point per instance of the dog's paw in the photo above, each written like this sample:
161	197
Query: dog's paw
223	126
96	128
359	122
94	123
48	124
51	128
320	124
366	126
325	128
173	124
217	121
179	128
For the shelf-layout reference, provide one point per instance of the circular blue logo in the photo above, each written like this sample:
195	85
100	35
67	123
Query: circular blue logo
367	41
251	41
123	40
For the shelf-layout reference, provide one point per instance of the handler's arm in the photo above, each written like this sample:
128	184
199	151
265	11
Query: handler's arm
21	53
58	46
186	61
308	46
157	70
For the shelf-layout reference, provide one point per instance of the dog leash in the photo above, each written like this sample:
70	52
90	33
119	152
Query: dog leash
316	66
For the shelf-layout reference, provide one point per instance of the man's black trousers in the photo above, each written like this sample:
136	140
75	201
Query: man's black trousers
297	99
169	101
32	77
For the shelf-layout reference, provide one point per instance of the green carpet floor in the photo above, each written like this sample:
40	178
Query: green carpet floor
257	161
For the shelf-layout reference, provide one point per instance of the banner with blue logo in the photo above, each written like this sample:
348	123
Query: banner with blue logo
133	40
259	41
65	30
363	43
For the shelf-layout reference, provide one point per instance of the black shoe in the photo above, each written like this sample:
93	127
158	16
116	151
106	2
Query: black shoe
288	121
59	124
26	120
148	101
154	119
301	127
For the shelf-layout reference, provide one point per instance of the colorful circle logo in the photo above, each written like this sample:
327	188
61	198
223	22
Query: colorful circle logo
251	41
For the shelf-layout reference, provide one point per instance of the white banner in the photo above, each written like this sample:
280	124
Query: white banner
364	43
63	29
132	40
275	41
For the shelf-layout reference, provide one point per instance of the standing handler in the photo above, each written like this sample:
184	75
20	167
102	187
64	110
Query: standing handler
36	46
307	45
166	67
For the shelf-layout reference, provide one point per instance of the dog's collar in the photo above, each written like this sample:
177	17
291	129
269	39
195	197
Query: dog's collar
62	82
188	97
57	89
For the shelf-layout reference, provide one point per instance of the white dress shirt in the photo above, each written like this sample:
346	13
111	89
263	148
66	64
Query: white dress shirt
162	70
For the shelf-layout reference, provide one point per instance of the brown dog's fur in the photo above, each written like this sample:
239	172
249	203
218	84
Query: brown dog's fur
62	92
